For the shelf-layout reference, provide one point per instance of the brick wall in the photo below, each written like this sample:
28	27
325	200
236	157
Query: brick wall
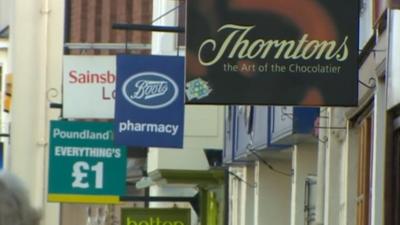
90	21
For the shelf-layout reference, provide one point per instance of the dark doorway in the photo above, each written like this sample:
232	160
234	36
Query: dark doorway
392	207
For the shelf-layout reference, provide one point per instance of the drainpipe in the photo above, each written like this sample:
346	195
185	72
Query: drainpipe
322	147
25	38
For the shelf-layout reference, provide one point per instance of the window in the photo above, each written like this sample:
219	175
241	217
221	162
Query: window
392	183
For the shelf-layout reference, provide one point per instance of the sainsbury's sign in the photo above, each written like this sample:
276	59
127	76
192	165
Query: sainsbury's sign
87	77
89	86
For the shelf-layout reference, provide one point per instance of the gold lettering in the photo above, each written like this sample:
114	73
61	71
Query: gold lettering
267	47
214	45
283	44
243	48
297	52
310	49
323	45
257	44
241	43
345	54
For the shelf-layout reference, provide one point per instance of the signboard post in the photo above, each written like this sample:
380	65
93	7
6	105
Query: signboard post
153	216
269	52
85	166
149	105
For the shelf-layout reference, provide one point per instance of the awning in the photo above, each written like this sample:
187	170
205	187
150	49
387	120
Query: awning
202	178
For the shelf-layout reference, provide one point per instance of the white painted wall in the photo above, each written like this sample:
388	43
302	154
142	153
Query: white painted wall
4	121
5	6
236	196
350	180
4	63
180	159
242	195
249	193
366	26
393	67
36	53
272	195
203	124
164	43
204	127
333	182
322	146
174	191
304	163
378	155
4	56
341	175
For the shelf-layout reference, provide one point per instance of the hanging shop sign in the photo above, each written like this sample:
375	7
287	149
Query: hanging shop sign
152	216
272	52
149	106
85	165
89	87
394	4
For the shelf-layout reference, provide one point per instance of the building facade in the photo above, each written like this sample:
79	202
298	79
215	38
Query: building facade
281	164
348	175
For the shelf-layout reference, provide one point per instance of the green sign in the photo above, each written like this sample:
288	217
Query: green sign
85	166
155	216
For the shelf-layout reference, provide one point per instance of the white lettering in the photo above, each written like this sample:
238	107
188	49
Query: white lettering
128	125
83	134
95	152
149	89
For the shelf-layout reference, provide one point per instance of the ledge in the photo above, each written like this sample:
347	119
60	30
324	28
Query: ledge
214	176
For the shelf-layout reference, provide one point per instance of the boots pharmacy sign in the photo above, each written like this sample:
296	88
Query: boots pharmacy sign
149	106
295	52
89	87
155	216
85	166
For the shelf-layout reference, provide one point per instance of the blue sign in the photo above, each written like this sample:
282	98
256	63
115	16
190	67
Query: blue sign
149	104
1	155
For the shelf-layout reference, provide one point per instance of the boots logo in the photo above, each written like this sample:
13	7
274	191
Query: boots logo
150	90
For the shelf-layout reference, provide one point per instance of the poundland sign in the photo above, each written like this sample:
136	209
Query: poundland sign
141	216
85	165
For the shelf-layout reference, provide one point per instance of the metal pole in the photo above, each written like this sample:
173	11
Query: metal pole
144	27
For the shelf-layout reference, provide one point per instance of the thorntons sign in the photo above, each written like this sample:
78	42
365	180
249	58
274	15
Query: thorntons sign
272	52
243	48
89	87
